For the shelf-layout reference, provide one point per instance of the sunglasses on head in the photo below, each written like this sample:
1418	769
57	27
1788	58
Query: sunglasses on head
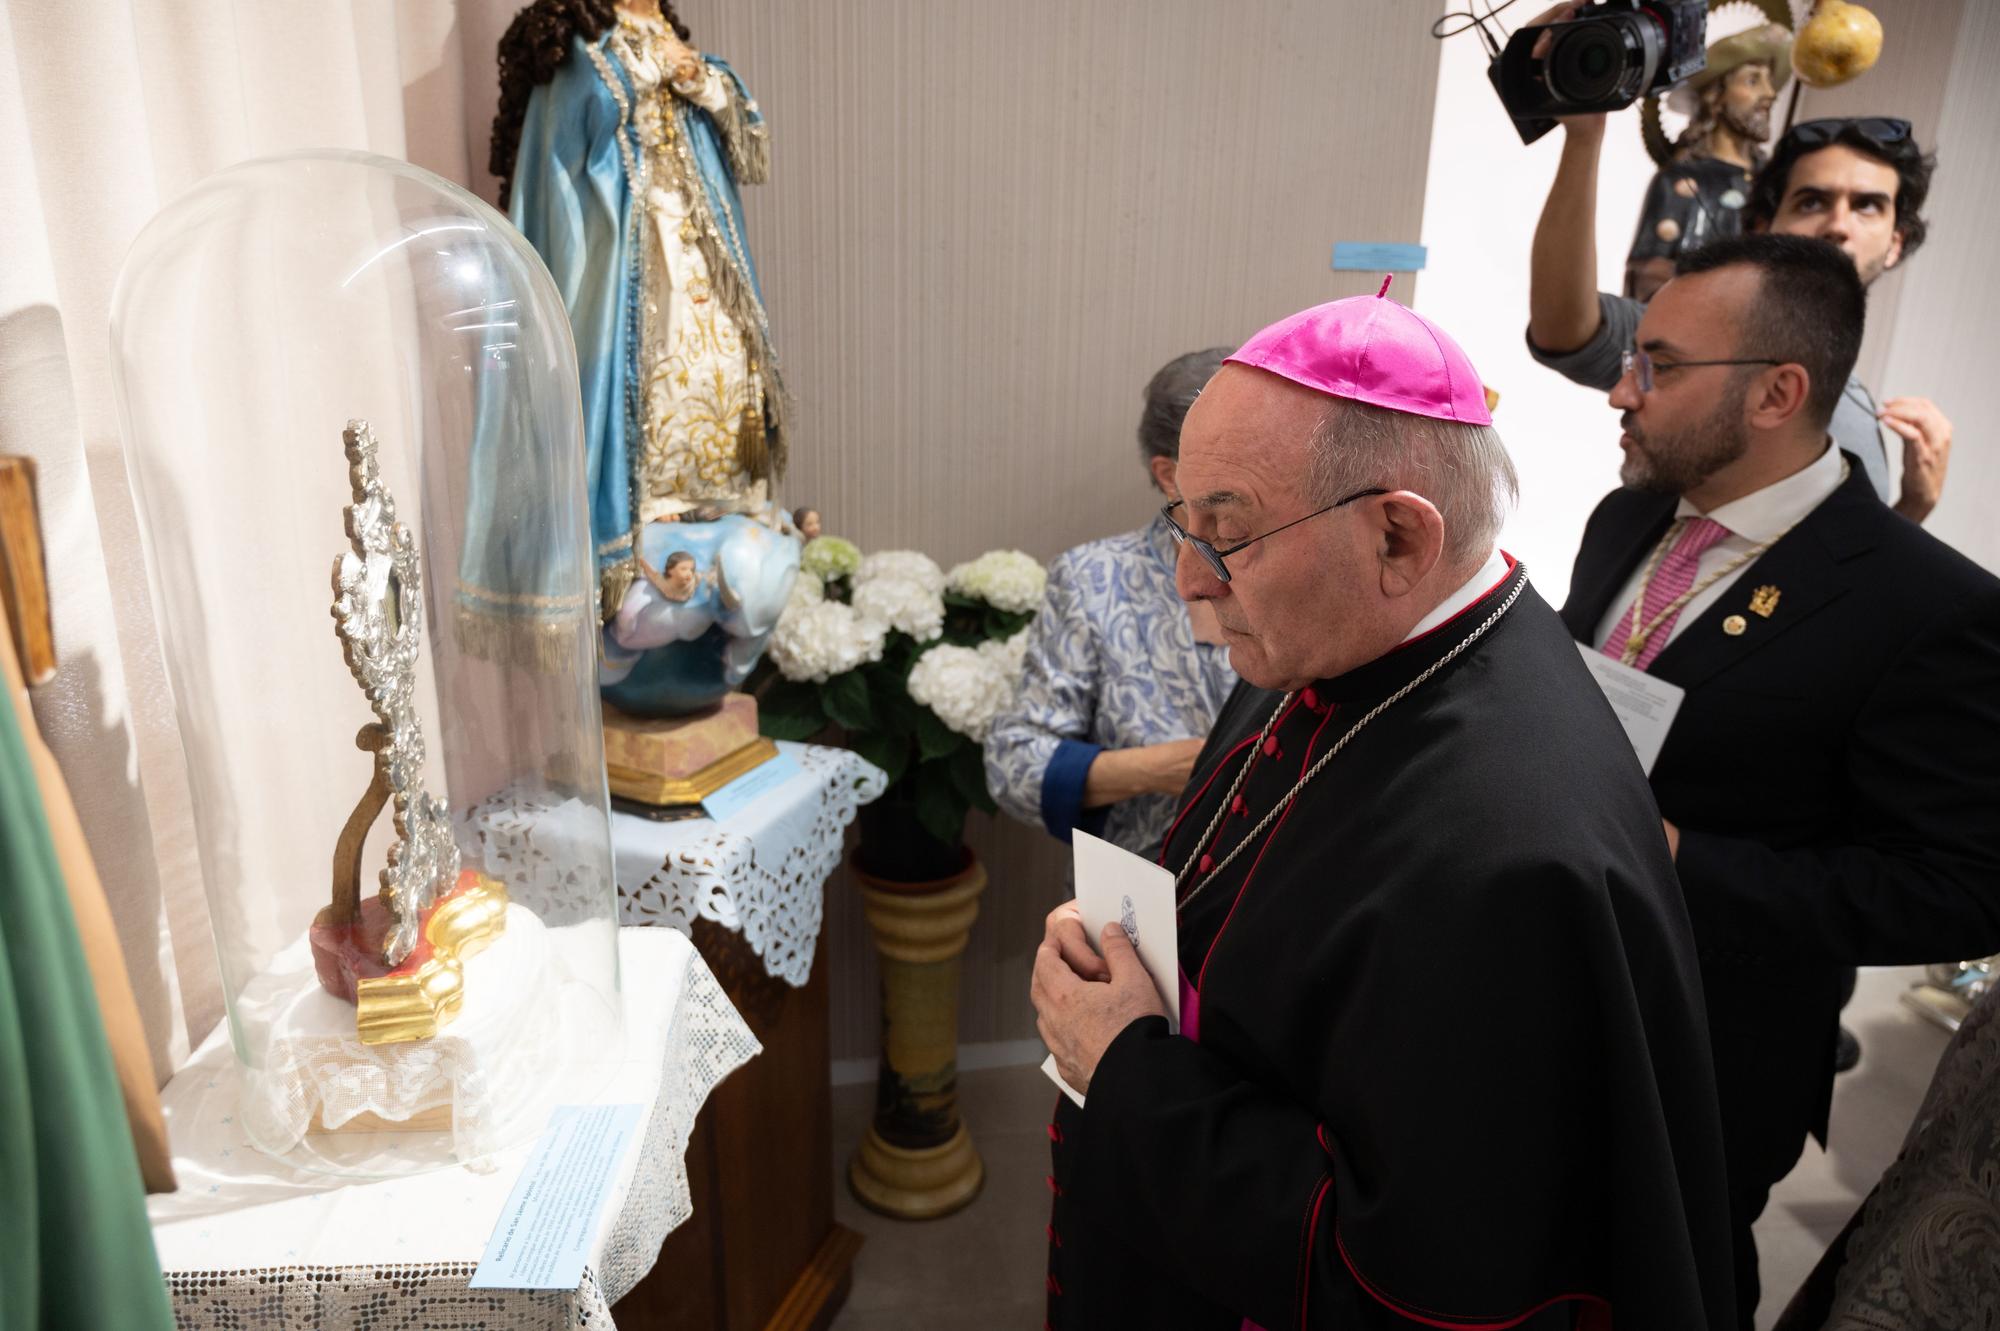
1882	130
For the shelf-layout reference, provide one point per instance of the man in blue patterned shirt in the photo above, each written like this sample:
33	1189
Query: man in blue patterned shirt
1122	679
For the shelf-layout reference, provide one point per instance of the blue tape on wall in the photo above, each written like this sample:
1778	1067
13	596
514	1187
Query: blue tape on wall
1378	256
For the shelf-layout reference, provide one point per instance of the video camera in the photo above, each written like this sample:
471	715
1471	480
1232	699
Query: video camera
1604	58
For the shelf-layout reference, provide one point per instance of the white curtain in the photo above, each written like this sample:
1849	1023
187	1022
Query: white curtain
109	109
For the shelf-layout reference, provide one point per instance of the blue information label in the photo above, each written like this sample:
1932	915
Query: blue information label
545	1232
1378	256
752	786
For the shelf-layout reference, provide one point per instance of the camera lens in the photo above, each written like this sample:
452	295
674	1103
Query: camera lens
1590	61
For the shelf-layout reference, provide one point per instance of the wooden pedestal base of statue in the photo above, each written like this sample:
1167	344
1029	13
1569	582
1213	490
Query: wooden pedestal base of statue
761	1251
916	1161
674	763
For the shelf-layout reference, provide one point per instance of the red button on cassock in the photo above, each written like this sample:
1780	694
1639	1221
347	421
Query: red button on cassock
1055	1133
1236	805
1207	863
1054	1186
1271	747
1310	699
1054	1237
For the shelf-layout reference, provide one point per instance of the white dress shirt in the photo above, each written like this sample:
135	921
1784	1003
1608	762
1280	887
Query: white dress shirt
1760	516
1494	569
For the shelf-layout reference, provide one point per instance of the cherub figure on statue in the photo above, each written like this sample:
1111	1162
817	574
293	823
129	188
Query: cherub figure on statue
709	593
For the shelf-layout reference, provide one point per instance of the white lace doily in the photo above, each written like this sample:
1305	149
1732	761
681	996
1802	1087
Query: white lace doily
489	1066
762	874
248	1241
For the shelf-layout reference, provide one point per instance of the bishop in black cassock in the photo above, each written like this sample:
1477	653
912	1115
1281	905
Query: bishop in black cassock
1443	1060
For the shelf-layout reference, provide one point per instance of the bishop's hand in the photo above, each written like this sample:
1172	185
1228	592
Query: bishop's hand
1082	1001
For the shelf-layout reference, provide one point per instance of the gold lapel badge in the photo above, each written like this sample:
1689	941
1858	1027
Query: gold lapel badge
1734	626
1764	601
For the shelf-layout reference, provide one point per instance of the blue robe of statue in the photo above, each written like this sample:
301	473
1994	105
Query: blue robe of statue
625	183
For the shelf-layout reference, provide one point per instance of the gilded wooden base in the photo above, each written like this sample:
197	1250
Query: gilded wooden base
651	788
683	759
916	1184
917	1160
415	1004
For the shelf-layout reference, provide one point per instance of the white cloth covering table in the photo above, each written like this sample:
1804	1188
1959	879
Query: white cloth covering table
762	874
250	1242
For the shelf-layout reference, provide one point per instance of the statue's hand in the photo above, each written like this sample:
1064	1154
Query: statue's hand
685	68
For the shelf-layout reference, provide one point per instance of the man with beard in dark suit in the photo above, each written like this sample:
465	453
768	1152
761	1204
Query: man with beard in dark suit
1830	783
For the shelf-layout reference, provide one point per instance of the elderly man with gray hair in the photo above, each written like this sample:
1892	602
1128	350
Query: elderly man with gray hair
1441	1057
1121	679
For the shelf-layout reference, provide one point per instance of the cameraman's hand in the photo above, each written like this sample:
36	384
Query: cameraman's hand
1586	127
1562	13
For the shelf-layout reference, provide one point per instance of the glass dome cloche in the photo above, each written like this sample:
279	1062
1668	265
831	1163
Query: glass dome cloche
349	401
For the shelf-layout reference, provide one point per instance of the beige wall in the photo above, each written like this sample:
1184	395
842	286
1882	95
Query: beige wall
1941	343
988	224
1910	81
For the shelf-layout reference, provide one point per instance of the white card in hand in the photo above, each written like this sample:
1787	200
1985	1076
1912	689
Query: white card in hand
1646	706
1115	886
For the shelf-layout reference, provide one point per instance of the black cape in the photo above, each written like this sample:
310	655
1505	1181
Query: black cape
1452	1067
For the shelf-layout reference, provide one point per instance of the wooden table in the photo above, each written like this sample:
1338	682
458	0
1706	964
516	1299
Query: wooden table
762	1251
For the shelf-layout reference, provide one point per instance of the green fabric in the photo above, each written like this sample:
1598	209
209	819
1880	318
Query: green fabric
75	1247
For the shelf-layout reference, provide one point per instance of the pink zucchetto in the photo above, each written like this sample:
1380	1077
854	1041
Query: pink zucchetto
1373	350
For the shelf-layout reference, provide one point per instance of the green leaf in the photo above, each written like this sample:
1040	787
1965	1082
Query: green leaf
891	753
845	698
1006	623
783	725
935	739
899	712
940	808
789	710
968	774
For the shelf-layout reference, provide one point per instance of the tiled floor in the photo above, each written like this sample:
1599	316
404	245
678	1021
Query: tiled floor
982	1268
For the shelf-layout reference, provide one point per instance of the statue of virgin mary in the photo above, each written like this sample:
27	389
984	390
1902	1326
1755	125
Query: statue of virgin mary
619	149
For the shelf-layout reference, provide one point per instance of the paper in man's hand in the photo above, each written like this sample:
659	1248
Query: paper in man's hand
1115	886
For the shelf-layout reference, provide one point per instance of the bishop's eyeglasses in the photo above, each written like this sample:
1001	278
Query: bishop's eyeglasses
1214	557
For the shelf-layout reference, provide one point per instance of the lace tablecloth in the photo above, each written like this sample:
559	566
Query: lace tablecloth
249	1242
761	874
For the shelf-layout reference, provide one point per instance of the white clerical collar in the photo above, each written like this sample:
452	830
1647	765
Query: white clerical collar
1490	573
1766	514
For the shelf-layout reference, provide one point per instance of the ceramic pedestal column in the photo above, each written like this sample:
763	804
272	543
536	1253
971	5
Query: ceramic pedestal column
917	1161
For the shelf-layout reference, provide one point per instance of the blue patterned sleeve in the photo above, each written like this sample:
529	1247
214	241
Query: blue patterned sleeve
1039	751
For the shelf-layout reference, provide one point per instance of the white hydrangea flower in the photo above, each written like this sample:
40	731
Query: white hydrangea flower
902	604
816	642
913	565
807	590
964	688
1004	579
1008	654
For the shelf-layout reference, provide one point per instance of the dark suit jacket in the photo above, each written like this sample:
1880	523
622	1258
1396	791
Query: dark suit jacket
1835	773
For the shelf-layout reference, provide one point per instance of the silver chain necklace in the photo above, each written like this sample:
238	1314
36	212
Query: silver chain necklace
1278	810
